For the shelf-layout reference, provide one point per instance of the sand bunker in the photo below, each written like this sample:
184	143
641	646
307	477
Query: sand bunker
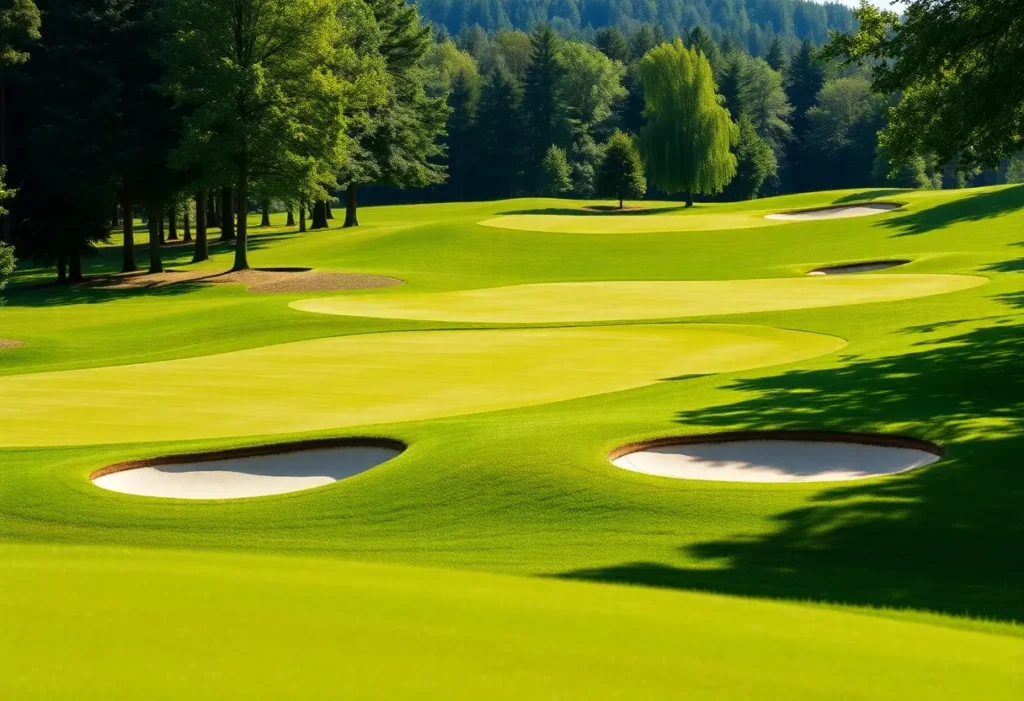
865	267
777	457
10	343
841	212
252	472
259	280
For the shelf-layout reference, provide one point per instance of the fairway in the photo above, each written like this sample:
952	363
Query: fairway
609	301
614	223
382	632
371	379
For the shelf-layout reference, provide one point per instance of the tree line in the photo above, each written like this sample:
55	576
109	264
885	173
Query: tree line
193	113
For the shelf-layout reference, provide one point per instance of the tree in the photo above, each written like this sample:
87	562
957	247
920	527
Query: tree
611	42
764	101
644	38
6	252
956	64
588	84
461	142
542	108
265	103
701	41
19	27
514	50
1015	170
755	163
499	135
841	141
401	144
776	57
685	143
804	80
730	82
621	173
556	172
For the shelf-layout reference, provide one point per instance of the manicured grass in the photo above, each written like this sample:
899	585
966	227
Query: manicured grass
527	489
374	379
115	624
616	301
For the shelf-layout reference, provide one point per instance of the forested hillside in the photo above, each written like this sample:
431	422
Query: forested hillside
754	22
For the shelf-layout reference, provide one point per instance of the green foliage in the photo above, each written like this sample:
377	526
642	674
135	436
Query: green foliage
6	265
444	64
701	41
756	163
513	50
460	138
542	109
776	56
585	156
686	141
556	172
763	100
588	84
612	43
956	65
621	174
500	134
19	28
804	80
841	139
1015	170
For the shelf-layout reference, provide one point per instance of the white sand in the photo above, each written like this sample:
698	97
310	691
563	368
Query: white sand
842	212
774	461
247	477
867	267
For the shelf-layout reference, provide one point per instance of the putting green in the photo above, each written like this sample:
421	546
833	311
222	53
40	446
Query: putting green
373	378
115	623
607	301
612	223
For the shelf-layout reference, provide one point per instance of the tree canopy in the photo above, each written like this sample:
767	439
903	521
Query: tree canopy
687	139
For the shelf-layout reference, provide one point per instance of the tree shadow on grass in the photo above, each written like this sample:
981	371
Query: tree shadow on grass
984	205
947	538
870	195
103	268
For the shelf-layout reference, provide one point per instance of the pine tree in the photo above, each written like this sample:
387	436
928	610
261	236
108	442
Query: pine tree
776	57
804	79
701	41
730	83
763	100
542	110
462	101
611	42
621	173
686	141
499	135
755	163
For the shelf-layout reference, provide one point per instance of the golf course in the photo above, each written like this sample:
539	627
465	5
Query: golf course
487	457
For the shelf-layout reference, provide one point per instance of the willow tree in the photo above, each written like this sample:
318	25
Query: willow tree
264	103
686	141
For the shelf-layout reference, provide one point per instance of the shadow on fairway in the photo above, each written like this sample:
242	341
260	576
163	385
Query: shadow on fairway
580	212
964	209
870	195
948	538
28	289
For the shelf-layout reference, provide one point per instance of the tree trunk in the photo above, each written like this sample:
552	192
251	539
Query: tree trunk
75	265
689	198
327	209
187	224
202	252
291	216
227	214
241	258
128	247
302	217
155	264
351	213
172	222
319	215
212	210
265	221
62	269
160	225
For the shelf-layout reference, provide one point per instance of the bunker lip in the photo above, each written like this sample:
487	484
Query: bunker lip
704	468
840	211
274	449
866	266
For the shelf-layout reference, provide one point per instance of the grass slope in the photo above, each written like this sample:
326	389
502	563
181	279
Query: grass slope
169	625
527	490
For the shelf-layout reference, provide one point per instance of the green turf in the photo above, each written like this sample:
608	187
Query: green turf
527	490
384	632
611	301
374	378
